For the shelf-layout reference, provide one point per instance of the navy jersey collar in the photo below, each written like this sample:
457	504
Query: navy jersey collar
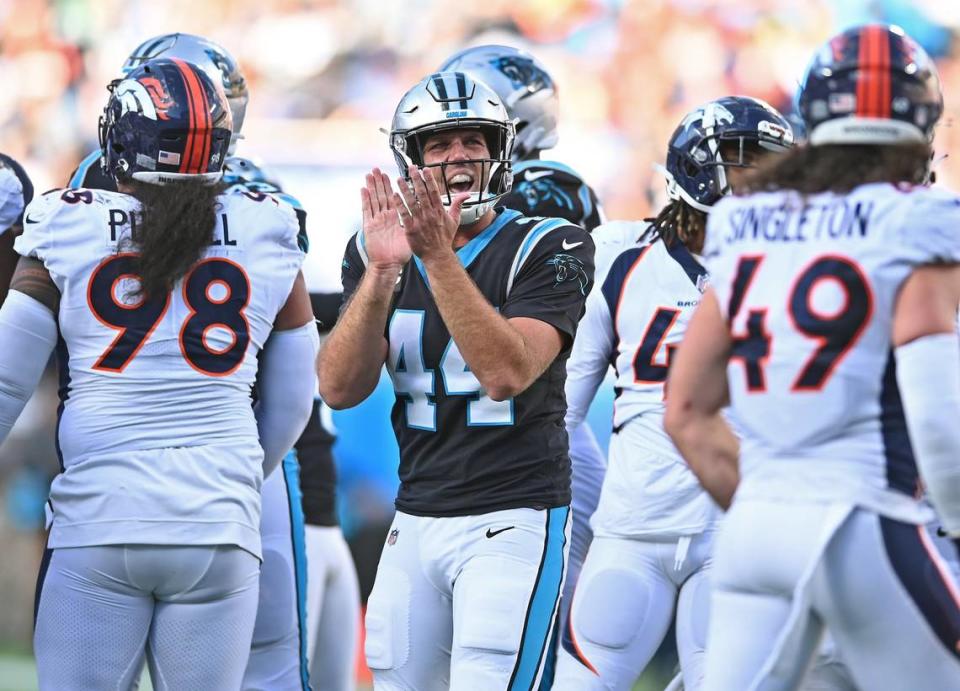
683	257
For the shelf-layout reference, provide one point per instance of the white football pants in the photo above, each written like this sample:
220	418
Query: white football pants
627	596
466	602
278	655
784	572
189	610
333	610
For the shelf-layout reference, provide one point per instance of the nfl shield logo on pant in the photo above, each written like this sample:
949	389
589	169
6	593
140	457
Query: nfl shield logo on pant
392	537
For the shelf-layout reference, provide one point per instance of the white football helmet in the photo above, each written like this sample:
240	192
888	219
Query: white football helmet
448	101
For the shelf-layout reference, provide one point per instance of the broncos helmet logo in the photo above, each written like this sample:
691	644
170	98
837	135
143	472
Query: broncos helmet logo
569	268
523	72
162	100
143	97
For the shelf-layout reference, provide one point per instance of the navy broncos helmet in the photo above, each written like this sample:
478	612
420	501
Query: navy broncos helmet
700	148
870	85
211	57
166	121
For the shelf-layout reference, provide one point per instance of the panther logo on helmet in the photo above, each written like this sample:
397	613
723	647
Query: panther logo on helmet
523	72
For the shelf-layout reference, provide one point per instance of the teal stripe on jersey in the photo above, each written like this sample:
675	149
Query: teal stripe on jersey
539	230
472	249
93	158
543	602
291	476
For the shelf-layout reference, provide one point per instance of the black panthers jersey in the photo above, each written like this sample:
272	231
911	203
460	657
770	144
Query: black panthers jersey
89	175
318	474
462	453
548	188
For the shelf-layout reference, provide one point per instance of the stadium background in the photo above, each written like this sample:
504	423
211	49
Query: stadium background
324	76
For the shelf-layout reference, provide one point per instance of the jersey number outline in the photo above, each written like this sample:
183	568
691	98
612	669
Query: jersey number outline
415	382
646	370
137	321
836	333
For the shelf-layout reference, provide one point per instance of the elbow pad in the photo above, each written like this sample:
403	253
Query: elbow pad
928	376
28	334
287	386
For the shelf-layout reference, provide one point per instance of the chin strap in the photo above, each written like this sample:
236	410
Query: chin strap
470	215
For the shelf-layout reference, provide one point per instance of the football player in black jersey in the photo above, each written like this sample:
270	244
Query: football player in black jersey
16	191
473	310
545	188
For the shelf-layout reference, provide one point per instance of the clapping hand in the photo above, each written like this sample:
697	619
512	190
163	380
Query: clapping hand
384	239
429	227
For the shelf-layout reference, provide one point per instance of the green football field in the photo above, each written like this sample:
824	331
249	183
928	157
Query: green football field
17	673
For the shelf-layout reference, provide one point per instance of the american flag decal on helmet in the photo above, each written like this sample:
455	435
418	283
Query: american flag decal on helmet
170	158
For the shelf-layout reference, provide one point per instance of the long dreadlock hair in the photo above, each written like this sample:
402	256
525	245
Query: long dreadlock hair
178	223
678	222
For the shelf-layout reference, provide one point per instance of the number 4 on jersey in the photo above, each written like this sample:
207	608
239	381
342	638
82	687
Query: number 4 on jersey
646	369
836	333
412	380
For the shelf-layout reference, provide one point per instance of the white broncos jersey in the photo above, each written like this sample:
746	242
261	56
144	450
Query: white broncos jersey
808	287
157	435
635	318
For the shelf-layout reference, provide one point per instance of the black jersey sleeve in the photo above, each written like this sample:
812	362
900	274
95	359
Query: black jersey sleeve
552	282
326	308
546	188
351	269
302	239
89	175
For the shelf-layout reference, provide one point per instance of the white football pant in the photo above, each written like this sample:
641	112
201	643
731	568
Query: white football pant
189	610
786	571
466	602
333	610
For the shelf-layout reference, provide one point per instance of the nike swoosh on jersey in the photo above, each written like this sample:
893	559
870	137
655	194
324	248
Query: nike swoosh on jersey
492	533
570	246
532	175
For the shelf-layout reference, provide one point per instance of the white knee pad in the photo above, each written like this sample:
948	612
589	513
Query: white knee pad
608	607
387	644
491	605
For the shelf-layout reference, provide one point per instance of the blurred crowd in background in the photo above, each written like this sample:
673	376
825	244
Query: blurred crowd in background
325	76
